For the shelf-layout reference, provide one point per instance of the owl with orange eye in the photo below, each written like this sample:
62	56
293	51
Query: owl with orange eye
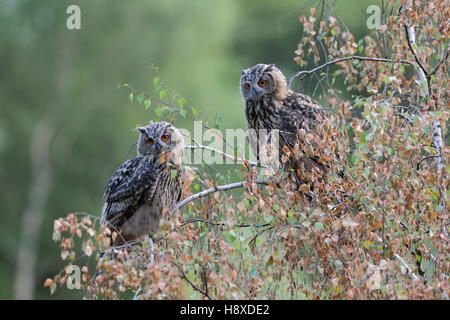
271	105
142	188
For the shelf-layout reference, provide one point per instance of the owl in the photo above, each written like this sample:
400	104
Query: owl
143	187
271	105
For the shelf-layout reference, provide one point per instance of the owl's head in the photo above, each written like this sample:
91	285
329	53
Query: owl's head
160	138
262	80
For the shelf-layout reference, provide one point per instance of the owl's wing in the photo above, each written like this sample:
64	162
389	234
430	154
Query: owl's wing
125	171
301	112
305	107
132	184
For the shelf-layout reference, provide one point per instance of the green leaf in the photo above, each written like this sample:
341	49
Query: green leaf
140	98
367	244
131	97
194	111
156	81
181	102
362	136
390	151
147	104
159	111
162	94
318	226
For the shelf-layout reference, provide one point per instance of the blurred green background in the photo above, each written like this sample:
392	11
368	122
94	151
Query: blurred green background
64	125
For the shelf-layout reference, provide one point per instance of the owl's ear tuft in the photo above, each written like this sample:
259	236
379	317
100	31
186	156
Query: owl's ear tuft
270	67
141	129
243	72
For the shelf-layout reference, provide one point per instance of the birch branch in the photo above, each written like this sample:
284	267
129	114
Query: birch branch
438	144
304	73
424	78
403	262
212	190
421	71
183	275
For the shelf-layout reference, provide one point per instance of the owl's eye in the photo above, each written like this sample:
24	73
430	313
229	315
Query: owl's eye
247	85
262	82
165	137
150	141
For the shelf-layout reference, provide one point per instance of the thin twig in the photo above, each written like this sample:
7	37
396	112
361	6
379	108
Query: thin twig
423	159
411	39
252	242
444	58
304	73
212	190
403	262
190	282
218	224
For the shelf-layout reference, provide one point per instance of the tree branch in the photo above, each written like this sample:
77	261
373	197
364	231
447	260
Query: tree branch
403	262
212	190
444	58
190	282
424	79
411	39
423	159
304	73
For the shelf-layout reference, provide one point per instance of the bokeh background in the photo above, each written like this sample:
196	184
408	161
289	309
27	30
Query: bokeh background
64	124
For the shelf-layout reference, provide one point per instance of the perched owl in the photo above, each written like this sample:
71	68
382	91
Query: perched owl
143	187
270	104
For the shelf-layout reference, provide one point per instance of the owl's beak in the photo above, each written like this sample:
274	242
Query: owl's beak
253	94
161	148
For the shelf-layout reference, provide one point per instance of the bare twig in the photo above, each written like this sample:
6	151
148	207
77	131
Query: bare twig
403	262
444	58
212	190
411	39
304	73
190	282
252	242
438	144
423	159
425	79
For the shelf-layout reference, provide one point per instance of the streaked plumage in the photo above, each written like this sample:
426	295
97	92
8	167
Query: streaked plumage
270	104
143	187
